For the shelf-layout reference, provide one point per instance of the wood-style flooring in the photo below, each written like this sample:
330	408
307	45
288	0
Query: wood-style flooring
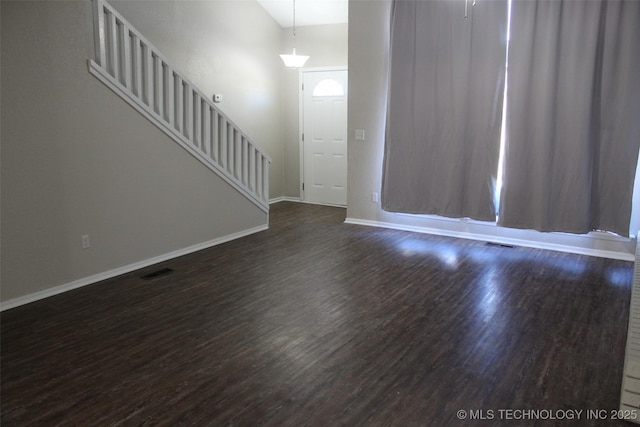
320	323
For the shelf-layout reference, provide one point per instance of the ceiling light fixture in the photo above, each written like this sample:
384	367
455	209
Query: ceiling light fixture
294	61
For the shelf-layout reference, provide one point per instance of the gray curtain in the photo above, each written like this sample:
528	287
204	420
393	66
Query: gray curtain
573	115
444	107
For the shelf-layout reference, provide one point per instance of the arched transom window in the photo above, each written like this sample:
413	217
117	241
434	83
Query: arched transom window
328	87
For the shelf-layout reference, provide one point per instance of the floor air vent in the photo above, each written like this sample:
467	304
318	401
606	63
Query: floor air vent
156	274
500	245
630	395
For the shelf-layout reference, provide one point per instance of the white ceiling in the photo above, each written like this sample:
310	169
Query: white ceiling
308	12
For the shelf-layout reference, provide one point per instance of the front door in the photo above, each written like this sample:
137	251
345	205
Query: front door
325	137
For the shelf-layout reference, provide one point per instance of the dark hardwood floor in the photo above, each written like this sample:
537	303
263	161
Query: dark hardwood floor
316	322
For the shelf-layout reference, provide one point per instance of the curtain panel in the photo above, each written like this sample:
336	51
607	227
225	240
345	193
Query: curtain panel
573	115
444	107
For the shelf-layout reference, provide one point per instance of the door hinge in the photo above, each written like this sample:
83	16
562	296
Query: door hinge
303	186
303	137
302	86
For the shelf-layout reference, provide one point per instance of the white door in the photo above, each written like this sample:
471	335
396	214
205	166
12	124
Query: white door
324	133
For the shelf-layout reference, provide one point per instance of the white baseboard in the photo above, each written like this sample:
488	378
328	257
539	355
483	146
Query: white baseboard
324	204
536	244
284	199
15	302
298	200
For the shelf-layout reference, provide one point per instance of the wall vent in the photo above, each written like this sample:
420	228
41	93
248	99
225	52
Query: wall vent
157	273
500	245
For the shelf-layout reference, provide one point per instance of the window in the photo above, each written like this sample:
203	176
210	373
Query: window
328	87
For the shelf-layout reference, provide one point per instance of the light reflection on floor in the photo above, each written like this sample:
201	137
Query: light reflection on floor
450	255
445	252
489	284
618	276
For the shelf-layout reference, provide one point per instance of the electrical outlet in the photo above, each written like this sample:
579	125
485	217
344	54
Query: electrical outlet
86	243
374	197
359	134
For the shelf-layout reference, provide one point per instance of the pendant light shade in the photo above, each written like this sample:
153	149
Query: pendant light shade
293	60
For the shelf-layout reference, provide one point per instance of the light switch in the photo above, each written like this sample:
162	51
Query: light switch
359	134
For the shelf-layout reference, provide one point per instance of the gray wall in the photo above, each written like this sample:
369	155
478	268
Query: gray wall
327	47
368	60
76	159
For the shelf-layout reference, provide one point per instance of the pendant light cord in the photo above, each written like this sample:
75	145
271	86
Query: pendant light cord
294	25
294	60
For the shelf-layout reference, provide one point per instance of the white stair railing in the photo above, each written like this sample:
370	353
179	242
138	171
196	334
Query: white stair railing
133	68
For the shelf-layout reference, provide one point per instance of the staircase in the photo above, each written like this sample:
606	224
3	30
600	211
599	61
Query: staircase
135	70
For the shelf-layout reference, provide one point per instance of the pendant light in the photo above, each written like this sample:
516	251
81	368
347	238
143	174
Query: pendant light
294	61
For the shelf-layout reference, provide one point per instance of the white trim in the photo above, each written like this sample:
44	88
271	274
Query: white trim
321	69
301	72
536	244
300	130
284	199
324	204
99	32
15	302
299	200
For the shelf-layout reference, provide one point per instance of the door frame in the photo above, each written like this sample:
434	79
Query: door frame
301	72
